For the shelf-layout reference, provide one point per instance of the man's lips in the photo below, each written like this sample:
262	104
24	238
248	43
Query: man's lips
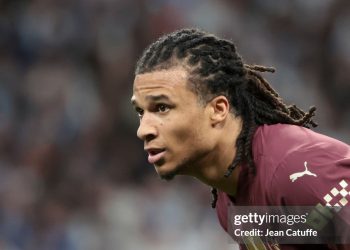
155	154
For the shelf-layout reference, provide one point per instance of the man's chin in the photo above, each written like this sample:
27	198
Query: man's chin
167	175
168	171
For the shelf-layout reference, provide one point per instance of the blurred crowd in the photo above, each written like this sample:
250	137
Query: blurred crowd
73	175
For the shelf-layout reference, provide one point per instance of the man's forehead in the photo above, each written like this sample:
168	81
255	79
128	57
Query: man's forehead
159	85
170	77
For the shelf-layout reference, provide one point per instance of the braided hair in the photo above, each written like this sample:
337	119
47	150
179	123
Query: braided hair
215	68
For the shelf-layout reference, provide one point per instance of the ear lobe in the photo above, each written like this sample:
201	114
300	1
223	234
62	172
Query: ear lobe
220	107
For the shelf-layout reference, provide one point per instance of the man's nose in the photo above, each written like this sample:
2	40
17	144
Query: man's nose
147	130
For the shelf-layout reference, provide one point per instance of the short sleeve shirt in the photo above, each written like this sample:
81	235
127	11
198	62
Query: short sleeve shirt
294	167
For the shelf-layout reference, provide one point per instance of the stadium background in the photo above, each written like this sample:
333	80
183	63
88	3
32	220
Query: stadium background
73	175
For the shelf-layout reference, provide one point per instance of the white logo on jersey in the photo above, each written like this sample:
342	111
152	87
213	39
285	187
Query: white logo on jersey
295	176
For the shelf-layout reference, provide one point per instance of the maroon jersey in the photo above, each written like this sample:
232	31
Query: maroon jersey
294	167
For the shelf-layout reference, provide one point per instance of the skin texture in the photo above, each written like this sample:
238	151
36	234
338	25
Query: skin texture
199	140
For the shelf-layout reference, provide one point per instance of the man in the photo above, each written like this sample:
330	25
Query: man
205	113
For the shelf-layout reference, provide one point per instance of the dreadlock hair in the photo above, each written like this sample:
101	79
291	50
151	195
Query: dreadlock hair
215	68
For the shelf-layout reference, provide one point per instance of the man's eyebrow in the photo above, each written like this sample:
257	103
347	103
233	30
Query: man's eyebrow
133	101
153	98
157	98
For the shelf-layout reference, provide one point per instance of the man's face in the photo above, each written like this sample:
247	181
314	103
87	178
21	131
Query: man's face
173	124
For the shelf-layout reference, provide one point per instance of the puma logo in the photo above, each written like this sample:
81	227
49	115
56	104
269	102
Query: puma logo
295	176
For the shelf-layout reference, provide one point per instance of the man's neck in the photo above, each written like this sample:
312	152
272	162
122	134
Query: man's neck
216	164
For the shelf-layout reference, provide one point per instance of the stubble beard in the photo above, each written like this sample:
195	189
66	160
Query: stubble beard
168	176
179	169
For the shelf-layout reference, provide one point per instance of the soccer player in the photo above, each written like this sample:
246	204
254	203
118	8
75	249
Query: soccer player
205	113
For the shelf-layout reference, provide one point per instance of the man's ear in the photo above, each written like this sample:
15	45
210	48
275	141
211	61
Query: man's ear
219	108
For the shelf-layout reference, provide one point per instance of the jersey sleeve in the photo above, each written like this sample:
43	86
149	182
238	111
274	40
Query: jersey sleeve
318	181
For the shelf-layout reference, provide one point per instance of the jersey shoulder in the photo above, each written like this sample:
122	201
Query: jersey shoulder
304	165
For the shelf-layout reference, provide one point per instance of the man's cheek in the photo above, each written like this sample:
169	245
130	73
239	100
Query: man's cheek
184	134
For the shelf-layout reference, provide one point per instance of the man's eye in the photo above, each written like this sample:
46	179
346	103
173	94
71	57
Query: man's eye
139	112
162	108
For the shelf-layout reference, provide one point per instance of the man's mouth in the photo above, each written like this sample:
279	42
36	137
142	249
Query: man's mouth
155	155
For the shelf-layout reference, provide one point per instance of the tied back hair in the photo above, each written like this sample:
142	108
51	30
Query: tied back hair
215	68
